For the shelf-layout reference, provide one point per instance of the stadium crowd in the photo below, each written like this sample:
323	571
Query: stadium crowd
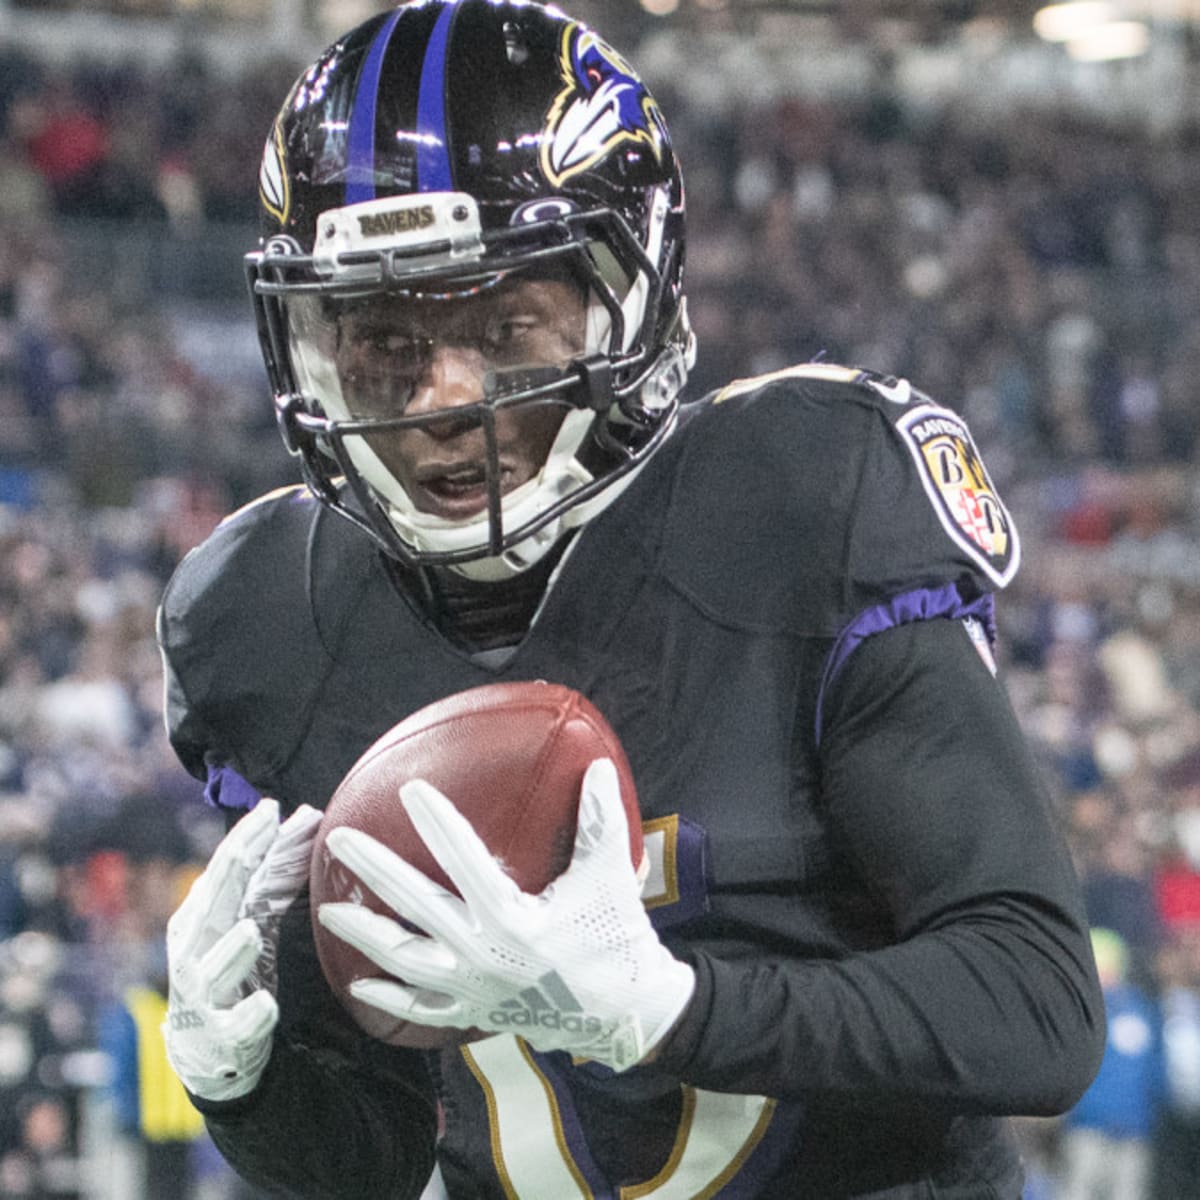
1039	272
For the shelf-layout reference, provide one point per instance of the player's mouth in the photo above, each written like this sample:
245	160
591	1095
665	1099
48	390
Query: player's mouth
457	490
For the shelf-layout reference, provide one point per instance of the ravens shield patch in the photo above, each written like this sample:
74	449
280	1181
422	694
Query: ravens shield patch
960	489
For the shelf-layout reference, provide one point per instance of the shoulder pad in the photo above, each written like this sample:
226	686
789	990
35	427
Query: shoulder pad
943	452
822	490
294	492
228	569
856	383
246	591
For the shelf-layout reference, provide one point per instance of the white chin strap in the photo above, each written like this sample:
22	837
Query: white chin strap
527	552
561	475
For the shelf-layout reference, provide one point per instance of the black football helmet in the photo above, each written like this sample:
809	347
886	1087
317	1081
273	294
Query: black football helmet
433	152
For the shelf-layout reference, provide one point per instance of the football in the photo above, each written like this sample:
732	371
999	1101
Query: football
511	757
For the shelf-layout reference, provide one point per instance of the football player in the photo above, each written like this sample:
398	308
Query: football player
860	945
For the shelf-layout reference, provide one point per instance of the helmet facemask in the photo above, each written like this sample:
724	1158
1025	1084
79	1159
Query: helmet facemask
355	330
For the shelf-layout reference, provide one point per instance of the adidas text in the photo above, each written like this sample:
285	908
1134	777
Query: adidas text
526	1018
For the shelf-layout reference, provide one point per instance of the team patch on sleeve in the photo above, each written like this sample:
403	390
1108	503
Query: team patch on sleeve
960	489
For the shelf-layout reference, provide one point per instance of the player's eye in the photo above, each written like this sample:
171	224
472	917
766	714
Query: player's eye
391	345
509	332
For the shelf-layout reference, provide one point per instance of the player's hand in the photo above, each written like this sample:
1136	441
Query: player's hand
221	945
578	967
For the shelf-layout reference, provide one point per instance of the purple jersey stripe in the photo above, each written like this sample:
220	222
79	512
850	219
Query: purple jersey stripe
225	788
690	878
923	604
360	138
760	1165
433	150
572	1129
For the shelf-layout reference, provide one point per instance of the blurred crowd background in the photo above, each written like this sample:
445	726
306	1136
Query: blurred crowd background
1040	272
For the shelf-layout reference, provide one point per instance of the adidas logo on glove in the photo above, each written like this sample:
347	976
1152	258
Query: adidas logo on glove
549	1005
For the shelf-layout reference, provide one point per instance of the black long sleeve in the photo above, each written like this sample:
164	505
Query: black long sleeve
987	1001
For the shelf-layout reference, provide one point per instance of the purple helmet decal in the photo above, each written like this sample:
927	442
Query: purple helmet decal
603	105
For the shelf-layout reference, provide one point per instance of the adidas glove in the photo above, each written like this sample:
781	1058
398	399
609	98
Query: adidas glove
577	968
221	943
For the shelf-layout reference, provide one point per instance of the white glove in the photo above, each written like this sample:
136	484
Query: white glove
577	968
221	945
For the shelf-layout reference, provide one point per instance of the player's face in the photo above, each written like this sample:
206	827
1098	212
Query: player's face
433	357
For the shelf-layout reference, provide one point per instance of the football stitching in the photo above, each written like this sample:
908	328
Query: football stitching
562	712
498	702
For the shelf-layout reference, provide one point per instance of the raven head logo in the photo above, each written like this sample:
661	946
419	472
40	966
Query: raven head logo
603	105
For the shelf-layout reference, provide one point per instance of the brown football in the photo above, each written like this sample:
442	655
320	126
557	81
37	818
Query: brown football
511	757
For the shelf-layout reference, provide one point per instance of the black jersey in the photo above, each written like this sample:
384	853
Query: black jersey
787	619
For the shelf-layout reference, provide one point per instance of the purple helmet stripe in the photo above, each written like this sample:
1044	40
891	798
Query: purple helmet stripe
360	138
433	148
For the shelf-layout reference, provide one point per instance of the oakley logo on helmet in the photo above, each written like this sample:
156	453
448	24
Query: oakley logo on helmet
544	210
603	105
